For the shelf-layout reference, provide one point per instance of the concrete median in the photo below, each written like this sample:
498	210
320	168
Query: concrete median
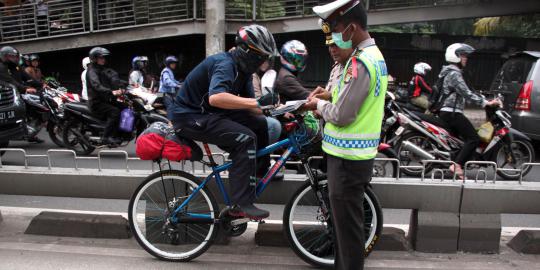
526	242
79	225
448	216
481	207
272	234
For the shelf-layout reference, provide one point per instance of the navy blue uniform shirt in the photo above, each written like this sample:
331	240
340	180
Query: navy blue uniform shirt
216	74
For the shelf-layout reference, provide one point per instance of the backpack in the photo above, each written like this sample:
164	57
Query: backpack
438	96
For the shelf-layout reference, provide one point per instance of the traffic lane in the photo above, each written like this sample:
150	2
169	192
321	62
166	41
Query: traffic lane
21	251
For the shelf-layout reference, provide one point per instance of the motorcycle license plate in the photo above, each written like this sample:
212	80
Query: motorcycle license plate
7	115
399	131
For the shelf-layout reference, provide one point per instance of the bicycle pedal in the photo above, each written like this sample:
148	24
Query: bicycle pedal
239	221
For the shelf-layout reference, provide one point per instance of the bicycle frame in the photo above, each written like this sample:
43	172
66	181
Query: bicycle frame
292	147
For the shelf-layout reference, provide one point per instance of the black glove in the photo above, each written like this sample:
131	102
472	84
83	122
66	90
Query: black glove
267	100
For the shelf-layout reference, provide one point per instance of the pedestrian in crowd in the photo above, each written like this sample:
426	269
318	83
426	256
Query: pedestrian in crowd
42	17
419	89
84	91
353	118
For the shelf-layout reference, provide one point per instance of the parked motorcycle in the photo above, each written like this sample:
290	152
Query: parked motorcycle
83	131
426	137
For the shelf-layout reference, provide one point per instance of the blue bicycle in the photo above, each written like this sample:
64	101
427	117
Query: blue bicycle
175	217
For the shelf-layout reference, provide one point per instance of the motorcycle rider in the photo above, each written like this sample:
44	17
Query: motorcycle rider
138	72
102	96
457	93
419	90
293	61
168	85
84	91
274	125
217	105
10	71
33	70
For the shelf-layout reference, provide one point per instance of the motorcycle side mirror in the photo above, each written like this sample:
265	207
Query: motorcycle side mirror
267	82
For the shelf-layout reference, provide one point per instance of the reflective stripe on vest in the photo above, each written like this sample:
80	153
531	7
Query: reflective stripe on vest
360	139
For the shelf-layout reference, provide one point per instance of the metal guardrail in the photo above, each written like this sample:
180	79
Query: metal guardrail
468	167
67	17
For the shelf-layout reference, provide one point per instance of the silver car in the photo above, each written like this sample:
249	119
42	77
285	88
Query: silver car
518	81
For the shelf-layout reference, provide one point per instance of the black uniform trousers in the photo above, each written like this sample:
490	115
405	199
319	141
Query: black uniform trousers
238	132
347	181
462	126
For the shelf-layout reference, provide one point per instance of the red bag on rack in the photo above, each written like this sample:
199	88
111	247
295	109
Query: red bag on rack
159	141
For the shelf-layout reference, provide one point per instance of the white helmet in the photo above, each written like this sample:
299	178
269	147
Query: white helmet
85	62
454	51
421	68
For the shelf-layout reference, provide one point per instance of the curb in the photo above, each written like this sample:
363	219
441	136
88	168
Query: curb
526	242
272	235
393	239
79	225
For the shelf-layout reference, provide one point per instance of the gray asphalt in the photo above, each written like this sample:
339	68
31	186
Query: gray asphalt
22	251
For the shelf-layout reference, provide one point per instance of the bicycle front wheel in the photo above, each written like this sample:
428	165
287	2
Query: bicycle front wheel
309	229
167	226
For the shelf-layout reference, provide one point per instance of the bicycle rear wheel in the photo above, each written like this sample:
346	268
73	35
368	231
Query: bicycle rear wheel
180	237
308	226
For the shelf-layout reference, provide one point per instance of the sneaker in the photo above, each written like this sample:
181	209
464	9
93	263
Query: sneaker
35	140
249	211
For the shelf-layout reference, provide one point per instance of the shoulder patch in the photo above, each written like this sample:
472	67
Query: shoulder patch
348	74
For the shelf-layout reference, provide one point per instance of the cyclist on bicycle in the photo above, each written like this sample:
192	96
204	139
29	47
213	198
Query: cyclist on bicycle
217	106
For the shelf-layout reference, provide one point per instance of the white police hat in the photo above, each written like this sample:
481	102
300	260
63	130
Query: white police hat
334	9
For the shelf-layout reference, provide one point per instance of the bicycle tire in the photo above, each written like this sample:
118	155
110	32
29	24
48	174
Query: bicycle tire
152	248
375	229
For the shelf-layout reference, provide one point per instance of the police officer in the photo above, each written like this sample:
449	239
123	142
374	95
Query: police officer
353	126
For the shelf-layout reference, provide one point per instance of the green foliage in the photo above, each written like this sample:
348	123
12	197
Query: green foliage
526	26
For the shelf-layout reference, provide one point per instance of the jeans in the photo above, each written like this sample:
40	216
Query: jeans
274	129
